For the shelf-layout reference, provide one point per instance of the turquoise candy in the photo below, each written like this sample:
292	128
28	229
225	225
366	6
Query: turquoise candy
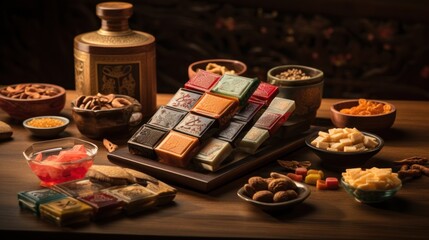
236	86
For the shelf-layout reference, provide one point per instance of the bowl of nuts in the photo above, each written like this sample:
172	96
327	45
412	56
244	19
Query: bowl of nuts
218	66
98	116
302	84
26	100
273	193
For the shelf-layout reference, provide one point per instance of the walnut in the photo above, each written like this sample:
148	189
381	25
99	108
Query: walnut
258	183
248	190
281	184
263	196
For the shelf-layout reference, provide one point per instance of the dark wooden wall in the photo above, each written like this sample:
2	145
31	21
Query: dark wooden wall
372	49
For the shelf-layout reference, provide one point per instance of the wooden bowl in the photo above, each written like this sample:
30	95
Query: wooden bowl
21	106
370	123
239	67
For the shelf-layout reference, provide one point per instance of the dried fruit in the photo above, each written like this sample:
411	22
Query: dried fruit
293	165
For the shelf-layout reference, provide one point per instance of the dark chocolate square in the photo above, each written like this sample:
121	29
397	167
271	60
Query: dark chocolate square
248	112
144	141
232	132
197	125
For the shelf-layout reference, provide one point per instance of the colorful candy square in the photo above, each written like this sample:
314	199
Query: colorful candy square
202	81
218	107
177	149
236	86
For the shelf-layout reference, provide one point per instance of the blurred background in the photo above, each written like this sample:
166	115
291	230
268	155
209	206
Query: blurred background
367	48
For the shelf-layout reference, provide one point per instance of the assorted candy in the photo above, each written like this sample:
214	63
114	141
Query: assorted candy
209	119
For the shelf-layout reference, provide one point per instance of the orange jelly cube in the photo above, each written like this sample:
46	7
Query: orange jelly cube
177	149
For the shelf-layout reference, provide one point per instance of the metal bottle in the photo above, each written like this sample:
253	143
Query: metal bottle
116	59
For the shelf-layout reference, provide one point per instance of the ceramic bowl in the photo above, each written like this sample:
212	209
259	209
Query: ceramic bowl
117	121
46	126
371	123
60	160
307	93
343	160
303	193
239	67
42	99
369	196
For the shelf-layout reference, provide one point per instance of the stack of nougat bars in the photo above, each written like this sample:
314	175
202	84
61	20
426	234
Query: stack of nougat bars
209	119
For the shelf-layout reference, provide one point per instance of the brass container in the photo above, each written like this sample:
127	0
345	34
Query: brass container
116	59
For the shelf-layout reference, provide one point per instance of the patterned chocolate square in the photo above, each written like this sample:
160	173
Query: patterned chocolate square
184	99
166	118
270	121
202	81
144	141
197	125
266	92
236	86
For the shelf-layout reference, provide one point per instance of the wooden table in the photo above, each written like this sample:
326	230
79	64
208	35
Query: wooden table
221	214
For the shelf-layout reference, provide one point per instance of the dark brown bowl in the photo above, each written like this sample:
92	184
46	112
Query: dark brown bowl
340	161
239	67
97	124
371	123
22	109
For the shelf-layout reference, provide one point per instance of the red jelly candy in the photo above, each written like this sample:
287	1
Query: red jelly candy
331	183
301	171
295	177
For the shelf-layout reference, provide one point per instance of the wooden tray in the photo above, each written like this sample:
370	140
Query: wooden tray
203	180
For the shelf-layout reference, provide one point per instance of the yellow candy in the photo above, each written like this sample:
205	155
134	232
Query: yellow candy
312	178
315	171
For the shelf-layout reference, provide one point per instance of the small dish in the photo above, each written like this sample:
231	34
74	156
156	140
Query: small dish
343	160
369	196
372	123
239	67
303	193
46	126
60	160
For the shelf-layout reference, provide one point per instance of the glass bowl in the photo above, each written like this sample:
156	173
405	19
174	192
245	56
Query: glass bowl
46	126
60	160
369	196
